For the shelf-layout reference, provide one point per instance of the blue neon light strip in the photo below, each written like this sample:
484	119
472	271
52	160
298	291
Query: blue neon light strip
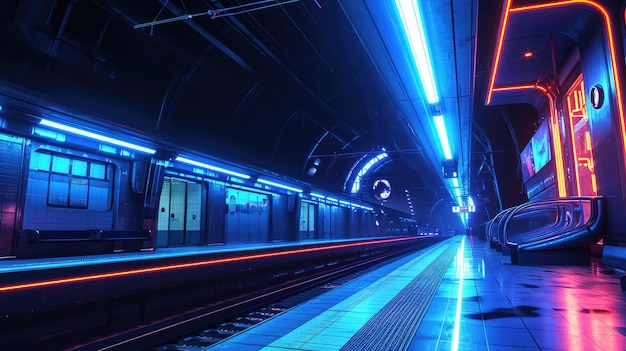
283	186
443	136
318	195
95	136
461	266
213	168
414	29
356	185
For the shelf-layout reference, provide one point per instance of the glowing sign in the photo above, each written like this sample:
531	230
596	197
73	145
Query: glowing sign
460	209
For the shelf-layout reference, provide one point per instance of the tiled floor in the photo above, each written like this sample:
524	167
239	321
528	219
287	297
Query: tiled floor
482	303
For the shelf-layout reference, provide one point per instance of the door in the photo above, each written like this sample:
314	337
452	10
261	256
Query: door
307	220
180	211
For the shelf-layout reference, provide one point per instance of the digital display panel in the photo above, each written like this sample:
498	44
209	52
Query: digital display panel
528	164
536	154
541	147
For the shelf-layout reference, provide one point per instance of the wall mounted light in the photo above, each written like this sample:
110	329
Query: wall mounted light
106	139
211	167
279	185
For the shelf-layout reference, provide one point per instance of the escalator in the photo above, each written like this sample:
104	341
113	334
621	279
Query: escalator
559	231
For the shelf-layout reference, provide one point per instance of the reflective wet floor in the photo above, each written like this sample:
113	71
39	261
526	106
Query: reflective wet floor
510	307
480	301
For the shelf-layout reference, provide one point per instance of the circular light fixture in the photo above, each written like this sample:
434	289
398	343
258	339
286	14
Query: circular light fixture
382	189
596	96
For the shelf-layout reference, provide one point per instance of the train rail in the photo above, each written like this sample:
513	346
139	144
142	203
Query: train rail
135	320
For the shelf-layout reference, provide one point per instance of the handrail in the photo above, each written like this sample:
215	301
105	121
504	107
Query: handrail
493	228
567	230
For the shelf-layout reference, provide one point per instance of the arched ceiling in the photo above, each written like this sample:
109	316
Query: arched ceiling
274	86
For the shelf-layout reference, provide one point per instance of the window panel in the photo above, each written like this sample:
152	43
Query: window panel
79	168
60	164
75	183
79	189
58	190
40	161
98	171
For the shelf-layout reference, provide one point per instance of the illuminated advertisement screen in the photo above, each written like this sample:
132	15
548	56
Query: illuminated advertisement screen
541	147
528	164
536	154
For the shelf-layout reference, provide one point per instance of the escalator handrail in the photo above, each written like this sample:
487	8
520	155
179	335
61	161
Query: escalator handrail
585	235
563	225
530	211
495	222
590	228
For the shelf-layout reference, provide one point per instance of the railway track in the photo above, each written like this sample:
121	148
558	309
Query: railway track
200	326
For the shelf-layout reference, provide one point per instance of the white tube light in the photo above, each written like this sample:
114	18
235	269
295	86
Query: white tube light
318	195
95	136
443	136
414	29
283	186
213	168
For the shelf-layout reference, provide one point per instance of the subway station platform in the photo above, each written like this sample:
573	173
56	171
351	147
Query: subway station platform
456	295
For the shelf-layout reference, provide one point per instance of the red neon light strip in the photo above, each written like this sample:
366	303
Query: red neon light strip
556	136
611	40
189	265
558	151
573	137
496	60
521	87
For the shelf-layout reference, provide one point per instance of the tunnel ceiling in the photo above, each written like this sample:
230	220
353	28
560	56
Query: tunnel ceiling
274	88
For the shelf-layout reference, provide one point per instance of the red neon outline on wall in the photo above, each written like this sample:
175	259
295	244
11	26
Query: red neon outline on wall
611	40
504	22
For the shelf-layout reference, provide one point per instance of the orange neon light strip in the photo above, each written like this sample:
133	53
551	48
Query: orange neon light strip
189	265
557	146
496	60
609	31
594	184
556	136
521	87
570	110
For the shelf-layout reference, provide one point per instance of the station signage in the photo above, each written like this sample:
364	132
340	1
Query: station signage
457	209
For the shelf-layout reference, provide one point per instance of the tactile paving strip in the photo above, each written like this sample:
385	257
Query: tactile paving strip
394	326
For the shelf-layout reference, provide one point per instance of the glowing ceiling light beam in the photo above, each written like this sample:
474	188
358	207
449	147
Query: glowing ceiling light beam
443	136
414	29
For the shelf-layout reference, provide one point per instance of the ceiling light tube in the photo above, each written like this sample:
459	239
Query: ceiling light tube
45	122
318	195
279	185
414	30
213	168
443	136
